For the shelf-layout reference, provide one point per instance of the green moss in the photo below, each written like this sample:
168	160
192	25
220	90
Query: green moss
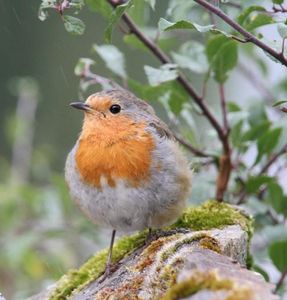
210	243
210	281
197	282
207	216
95	266
213	214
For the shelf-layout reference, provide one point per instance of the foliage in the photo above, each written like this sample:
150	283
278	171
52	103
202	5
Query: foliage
277	252
191	61
41	233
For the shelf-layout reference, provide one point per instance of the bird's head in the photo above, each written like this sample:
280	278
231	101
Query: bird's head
114	110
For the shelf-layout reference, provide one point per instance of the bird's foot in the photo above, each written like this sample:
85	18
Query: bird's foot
175	231
110	268
151	236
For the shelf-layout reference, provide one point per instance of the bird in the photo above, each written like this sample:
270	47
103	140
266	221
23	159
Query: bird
126	171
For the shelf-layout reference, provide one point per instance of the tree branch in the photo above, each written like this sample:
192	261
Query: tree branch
250	37
281	280
273	159
225	160
264	169
192	149
181	78
281	9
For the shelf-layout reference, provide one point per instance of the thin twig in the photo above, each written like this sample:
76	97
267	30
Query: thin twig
283	47
192	149
238	39
281	280
92	78
282	9
264	169
249	37
273	159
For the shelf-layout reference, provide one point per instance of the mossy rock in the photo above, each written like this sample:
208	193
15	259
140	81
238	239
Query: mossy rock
206	281
210	215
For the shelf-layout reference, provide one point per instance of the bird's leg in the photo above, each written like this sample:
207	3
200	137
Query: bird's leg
150	236
109	258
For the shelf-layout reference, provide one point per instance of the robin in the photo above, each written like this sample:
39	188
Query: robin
126	170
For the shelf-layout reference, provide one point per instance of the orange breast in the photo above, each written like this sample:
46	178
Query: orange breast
114	149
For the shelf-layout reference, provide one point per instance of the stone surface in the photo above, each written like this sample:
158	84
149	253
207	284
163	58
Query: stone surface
204	260
149	272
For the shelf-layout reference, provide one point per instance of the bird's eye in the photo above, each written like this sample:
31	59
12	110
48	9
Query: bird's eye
115	108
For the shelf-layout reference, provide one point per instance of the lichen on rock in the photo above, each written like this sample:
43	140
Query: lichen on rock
206	281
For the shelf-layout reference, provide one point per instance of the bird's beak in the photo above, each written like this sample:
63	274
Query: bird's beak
81	105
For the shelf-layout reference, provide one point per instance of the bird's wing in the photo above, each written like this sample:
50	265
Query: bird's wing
162	129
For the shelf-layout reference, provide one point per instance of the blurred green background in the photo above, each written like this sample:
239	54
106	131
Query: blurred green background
41	231
44	51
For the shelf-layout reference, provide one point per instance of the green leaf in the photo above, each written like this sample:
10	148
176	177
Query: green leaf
278	103
151	3
177	97
179	10
257	114
170	93
164	25
246	13
276	198
44	6
74	25
255	182
258	269
101	6
258	21
254	17
165	73
282	30
113	58
277	252
233	107
76	4
222	56
138	12
115	17
278	1
133	41
235	134
82	65
267	142
191	56
256	131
